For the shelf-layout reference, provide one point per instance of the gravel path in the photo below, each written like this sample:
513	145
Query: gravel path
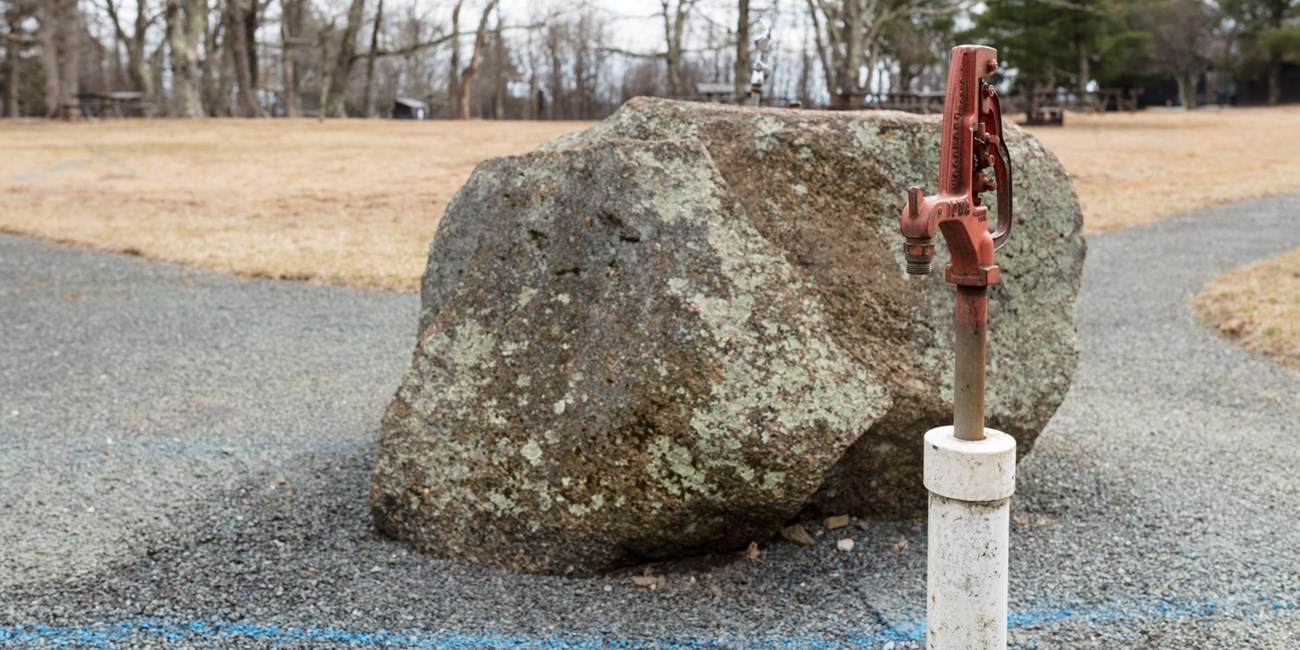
184	459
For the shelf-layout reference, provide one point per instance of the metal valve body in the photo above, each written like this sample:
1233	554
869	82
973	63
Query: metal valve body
972	143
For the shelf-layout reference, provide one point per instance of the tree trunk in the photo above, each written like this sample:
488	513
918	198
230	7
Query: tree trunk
185	20
370	61
214	86
323	43
69	34
534	111
476	58
139	68
11	83
11	74
674	29
249	32
1084	68
343	62
1184	90
805	76
453	66
742	52
136	69
290	28
47	14
500	69
559	106
852	61
242	59
581	103
1274	78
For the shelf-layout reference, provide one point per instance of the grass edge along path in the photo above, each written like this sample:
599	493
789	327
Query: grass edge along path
1258	307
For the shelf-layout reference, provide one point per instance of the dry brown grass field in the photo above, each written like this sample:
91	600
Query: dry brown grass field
1135	168
349	201
356	202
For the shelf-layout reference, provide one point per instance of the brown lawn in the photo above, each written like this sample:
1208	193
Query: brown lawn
349	202
1258	306
1135	168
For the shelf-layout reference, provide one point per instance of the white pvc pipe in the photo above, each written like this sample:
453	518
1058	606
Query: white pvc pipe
970	484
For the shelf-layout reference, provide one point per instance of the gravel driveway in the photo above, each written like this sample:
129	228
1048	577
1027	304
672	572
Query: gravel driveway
184	460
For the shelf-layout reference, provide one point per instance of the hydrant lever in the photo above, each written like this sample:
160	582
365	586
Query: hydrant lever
969	470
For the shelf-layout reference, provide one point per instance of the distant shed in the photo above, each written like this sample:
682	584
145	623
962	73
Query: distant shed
405	108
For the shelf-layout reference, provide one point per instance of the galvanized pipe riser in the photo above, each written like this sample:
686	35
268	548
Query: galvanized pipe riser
968	371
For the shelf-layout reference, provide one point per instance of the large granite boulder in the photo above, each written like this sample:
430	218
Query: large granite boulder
678	329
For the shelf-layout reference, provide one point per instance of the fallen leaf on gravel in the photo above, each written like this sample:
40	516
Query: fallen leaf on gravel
1020	521
798	535
838	521
845	545
899	545
650	582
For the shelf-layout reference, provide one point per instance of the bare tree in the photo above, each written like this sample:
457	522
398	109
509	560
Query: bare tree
914	45
460	81
15	40
134	42
60	24
1184	33
241	26
676	14
849	35
335	101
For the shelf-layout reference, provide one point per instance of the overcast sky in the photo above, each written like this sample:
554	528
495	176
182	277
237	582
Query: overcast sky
637	24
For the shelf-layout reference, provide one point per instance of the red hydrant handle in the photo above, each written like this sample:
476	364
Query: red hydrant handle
1002	174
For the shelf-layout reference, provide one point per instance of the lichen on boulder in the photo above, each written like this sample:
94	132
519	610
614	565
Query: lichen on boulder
679	329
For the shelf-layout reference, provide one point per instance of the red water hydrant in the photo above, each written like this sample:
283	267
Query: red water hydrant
969	470
972	143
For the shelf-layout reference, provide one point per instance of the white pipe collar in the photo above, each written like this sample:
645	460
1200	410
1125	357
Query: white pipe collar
970	470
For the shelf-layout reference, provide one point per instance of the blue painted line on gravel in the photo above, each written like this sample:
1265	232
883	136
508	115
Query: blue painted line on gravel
106	635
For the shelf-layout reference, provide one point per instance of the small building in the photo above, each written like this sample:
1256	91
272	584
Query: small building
405	108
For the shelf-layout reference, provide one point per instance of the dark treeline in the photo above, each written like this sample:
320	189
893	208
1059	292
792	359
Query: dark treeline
579	59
